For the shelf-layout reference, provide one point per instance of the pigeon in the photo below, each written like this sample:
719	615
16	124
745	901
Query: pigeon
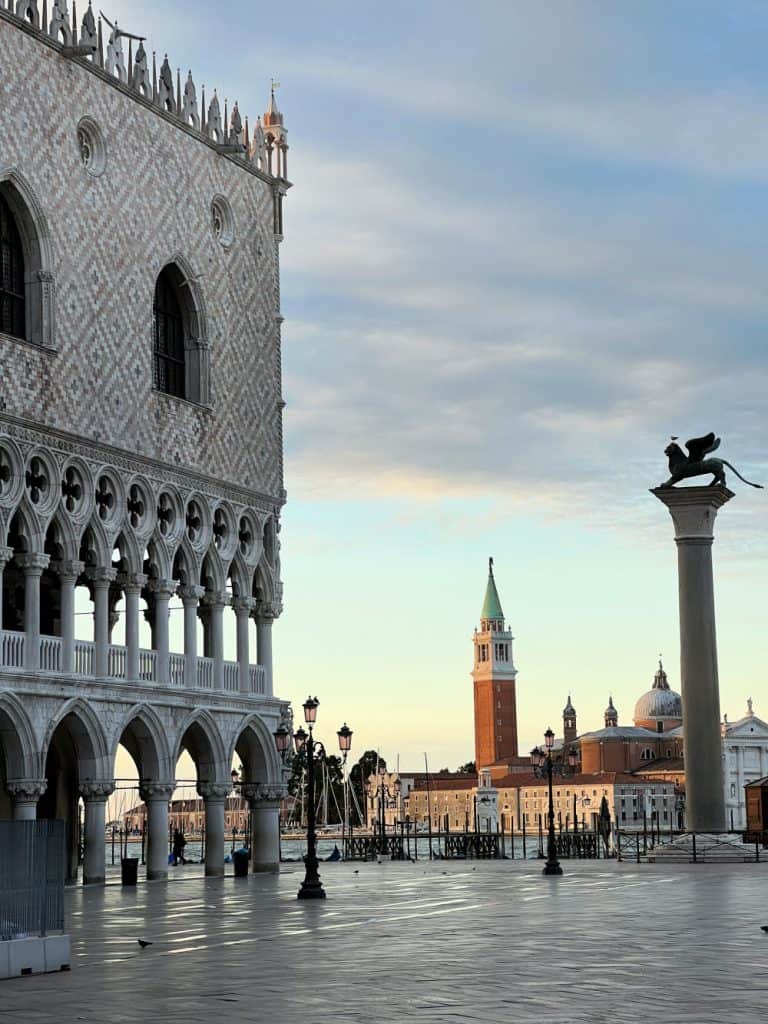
764	927
357	871
143	943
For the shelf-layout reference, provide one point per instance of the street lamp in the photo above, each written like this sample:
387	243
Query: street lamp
305	743
541	762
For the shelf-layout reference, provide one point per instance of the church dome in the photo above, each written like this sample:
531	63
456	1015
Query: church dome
660	702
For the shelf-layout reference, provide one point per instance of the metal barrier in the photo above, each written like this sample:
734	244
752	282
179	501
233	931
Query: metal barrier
31	878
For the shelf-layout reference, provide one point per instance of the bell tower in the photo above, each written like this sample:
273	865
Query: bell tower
494	677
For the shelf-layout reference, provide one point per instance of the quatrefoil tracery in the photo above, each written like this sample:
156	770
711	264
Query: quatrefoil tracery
165	515
194	521
220	529
71	489
245	537
136	507
37	481
105	498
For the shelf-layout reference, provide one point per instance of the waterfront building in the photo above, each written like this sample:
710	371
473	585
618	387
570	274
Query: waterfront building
141	459
745	760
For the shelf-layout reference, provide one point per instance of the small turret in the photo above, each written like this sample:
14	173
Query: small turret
276	138
569	723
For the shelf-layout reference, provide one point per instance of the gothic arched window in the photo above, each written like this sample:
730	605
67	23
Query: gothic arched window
170	362
12	301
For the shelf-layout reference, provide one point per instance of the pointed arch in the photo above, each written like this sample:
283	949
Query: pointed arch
201	737
130	552
95	548
255	745
158	564
17	740
39	278
61	533
84	726
144	737
263	587
241	576
212	575
25	525
186	568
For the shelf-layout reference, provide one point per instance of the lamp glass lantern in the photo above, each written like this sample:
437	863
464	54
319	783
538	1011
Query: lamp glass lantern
345	739
549	739
310	710
282	740
300	739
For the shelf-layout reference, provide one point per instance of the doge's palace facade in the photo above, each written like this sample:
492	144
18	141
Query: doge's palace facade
140	433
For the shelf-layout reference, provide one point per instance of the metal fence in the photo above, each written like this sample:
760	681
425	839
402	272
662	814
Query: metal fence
31	878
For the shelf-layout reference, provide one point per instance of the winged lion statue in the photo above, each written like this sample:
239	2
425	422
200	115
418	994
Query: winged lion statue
696	463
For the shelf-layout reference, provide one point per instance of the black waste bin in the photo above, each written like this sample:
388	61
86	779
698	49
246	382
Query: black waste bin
240	860
129	870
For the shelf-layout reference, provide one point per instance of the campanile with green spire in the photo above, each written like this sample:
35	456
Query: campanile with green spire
494	677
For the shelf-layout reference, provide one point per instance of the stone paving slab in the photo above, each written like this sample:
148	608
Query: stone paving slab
445	943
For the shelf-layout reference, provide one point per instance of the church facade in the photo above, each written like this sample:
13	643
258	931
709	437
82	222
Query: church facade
141	466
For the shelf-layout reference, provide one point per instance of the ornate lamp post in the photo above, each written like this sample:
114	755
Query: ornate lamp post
306	745
543	767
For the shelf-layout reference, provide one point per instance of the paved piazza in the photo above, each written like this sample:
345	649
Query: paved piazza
491	942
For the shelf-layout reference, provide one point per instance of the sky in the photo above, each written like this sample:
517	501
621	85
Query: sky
525	245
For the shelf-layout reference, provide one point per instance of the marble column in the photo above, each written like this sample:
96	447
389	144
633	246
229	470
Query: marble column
26	793
163	591
132	585
101	579
265	617
156	796
33	566
243	607
264	802
215	602
6	555
214	794
190	597
69	573
95	795
693	511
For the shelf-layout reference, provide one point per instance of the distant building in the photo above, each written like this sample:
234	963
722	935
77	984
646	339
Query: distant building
745	759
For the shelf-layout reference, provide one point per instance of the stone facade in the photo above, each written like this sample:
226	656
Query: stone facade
114	483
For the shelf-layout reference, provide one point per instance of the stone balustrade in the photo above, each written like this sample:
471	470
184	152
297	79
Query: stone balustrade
13	657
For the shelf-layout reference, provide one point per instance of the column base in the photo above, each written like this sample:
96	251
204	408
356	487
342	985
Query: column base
96	880
312	891
266	869
156	876
214	871
552	869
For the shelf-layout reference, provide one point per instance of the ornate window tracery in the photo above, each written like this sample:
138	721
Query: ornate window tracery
12	298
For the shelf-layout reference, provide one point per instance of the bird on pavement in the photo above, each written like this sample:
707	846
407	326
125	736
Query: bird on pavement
143	943
764	927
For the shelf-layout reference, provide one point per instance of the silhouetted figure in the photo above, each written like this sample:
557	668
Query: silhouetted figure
179	842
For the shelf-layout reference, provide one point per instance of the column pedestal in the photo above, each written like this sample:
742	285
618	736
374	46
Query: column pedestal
26	793
693	511
156	795
214	794
95	795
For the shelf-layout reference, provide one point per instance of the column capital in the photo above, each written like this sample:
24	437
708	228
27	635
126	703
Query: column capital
149	791
243	605
96	790
27	789
163	590
132	581
693	509
191	594
264	793
267	612
33	563
101	576
6	555
68	571
214	790
215	599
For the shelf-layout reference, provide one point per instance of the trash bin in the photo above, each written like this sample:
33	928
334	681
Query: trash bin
240	860
129	870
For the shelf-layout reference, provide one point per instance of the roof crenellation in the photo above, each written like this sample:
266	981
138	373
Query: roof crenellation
100	47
